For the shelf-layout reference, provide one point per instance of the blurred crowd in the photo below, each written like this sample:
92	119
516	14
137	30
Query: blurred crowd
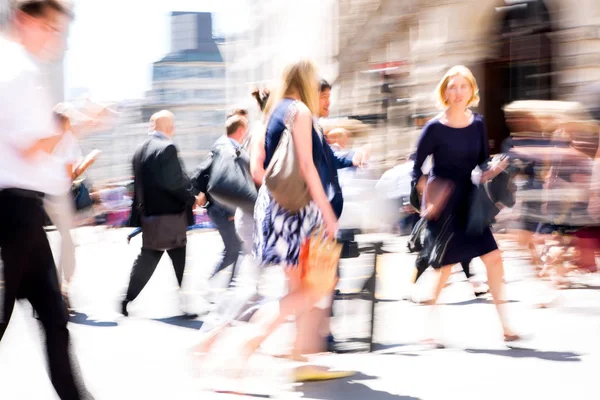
287	189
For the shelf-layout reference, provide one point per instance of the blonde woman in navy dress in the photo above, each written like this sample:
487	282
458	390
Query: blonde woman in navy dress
457	140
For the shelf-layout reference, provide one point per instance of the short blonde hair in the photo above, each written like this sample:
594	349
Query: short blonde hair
440	91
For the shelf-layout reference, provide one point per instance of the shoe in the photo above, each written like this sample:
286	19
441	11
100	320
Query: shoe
124	308
331	345
187	315
311	374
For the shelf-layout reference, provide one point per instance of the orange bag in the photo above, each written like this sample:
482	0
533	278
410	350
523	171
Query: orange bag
318	261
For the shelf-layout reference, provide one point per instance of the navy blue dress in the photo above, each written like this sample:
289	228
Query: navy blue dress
456	152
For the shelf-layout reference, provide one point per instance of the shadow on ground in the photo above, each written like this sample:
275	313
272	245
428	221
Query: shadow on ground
477	300
83	319
182	321
562	356
350	388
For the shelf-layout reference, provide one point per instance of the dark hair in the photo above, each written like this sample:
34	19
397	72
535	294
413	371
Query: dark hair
261	96
239	112
324	85
37	8
234	123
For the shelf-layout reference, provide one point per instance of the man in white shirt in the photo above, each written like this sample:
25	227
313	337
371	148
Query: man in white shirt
28	136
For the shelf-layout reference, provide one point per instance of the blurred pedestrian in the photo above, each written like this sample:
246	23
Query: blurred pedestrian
244	298
223	215
28	173
61	208
457	140
276	243
162	207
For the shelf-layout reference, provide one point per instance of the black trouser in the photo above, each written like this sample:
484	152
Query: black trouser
30	273
233	245
145	264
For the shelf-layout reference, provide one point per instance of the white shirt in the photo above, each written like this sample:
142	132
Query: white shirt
25	117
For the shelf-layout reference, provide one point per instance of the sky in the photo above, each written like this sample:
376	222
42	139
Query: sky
112	43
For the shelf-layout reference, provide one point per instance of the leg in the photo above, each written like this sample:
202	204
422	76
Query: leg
14	259
177	257
296	302
27	243
45	297
142	270
61	211
442	277
466	266
495	272
232	243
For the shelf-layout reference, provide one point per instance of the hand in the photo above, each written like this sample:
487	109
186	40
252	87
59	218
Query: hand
201	200
331	226
361	157
495	170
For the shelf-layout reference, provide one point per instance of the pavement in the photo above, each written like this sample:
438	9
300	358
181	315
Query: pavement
147	356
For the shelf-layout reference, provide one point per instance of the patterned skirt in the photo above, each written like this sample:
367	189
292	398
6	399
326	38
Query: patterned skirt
279	234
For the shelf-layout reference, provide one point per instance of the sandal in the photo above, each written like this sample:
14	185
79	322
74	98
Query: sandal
311	374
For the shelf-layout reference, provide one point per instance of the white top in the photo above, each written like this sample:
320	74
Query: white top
25	117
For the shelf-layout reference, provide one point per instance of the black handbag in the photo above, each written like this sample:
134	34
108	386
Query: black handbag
230	182
482	211
159	232
81	195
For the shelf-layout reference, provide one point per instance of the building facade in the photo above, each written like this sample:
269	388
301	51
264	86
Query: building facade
517	49
385	57
279	32
190	82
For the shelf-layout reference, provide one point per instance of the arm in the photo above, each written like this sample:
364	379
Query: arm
172	178
45	145
257	160
302	136
488	173
85	164
425	148
201	176
341	161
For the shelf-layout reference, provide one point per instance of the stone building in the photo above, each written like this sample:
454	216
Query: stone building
517	49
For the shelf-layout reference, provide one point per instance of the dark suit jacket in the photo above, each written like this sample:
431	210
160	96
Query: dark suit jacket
201	177
167	189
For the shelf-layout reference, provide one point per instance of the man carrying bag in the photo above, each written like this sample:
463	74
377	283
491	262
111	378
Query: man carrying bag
224	182
162	206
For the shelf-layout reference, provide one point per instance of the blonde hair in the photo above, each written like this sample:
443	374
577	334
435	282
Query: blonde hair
300	78
440	91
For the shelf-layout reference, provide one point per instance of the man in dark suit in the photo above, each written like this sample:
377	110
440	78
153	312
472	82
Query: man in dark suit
221	216
166	190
